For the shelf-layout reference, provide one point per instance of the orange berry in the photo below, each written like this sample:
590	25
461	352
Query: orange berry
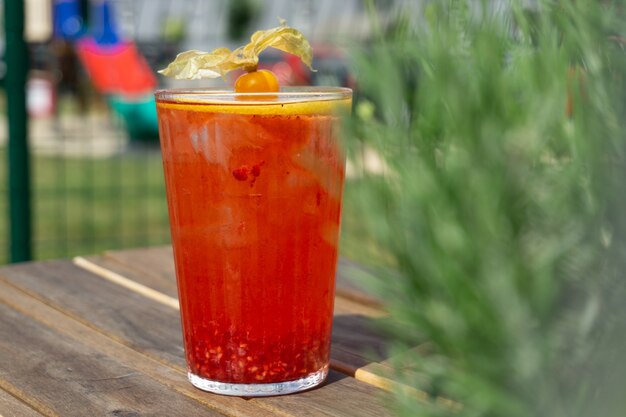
261	81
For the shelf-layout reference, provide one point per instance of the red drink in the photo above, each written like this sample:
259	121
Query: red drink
254	193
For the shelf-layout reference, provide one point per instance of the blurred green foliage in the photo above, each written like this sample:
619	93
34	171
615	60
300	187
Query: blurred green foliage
502	205
85	206
241	15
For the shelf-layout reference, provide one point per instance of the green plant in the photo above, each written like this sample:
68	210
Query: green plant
502	206
241	14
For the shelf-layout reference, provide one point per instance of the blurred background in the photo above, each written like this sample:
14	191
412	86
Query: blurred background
93	141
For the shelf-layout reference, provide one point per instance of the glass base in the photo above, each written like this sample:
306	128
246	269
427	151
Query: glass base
259	390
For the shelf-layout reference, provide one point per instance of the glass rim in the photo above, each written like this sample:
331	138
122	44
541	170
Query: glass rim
222	95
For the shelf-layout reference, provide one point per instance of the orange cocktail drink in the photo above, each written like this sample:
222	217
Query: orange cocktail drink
254	185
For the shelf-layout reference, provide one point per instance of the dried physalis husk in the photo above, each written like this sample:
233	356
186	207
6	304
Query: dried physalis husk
192	65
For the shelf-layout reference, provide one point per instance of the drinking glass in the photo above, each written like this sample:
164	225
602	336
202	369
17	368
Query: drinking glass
254	185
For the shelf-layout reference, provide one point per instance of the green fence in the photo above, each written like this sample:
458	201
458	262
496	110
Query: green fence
72	179
92	188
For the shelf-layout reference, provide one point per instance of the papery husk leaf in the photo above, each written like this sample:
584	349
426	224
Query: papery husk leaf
194	64
283	38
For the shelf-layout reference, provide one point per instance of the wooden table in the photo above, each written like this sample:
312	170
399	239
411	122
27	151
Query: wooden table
100	336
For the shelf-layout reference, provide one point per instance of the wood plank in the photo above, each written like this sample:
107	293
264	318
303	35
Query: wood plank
150	328
132	280
354	399
376	374
157	263
159	280
75	380
12	407
354	328
170	376
359	348
348	274
359	336
122	315
347	306
357	344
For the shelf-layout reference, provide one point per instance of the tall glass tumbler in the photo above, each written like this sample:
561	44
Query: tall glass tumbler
254	184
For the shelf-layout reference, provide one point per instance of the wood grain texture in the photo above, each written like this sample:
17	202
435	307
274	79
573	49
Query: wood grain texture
360	336
148	327
157	263
117	277
159	279
348	306
349	274
359	347
153	329
75	380
357	399
171	377
355	327
12	407
359	343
